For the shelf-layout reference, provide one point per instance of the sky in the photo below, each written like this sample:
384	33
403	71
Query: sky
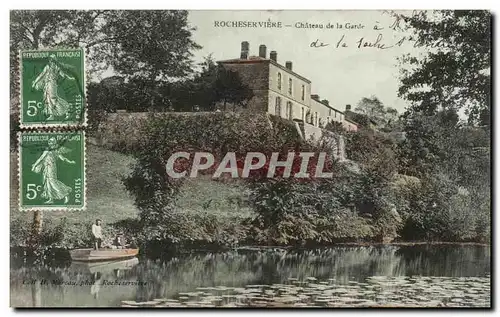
341	74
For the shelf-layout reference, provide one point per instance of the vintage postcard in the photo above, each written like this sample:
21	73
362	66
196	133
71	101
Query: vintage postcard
235	159
52	87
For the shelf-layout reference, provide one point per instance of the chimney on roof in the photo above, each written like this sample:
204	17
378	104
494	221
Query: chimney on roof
274	56
347	107
262	51
288	65
245	48
325	101
315	97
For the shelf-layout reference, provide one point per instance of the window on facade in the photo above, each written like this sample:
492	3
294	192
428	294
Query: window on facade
277	107
279	81
289	86
289	110
316	118
330	112
303	92
303	114
335	114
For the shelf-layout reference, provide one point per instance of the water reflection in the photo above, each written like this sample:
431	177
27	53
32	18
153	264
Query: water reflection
100	272
107	284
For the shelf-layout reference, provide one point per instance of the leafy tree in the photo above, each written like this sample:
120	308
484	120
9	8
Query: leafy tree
372	107
361	119
212	84
197	91
107	95
391	118
450	156
373	150
423	150
155	45
148	45
37	29
440	143
230	89
455	73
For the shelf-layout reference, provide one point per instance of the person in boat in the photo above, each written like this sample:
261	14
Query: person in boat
97	233
120	242
133	243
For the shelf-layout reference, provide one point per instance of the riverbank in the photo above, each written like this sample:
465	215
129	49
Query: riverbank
60	255
68	238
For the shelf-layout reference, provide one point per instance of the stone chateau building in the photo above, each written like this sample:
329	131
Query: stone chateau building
280	91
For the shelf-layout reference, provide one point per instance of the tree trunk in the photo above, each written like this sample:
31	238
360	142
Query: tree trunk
37	225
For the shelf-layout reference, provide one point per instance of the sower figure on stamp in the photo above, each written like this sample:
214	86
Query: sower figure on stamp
55	105
97	233
47	165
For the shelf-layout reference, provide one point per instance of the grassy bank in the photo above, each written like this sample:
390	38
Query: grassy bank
107	199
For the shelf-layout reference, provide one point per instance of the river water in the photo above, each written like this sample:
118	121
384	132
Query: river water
347	276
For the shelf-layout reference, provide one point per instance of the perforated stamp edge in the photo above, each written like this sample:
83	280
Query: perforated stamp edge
34	126
51	208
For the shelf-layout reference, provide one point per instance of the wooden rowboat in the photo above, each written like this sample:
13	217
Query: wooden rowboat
92	255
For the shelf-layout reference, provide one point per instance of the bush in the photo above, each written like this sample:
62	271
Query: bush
61	234
336	127
321	211
161	135
52	234
441	210
122	132
374	151
195	229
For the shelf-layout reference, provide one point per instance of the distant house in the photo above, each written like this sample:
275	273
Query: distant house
360	119
280	91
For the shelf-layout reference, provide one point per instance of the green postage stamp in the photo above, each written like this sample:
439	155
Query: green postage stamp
52	170
52	87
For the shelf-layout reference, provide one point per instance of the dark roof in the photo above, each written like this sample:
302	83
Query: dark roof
328	106
258	59
349	114
351	121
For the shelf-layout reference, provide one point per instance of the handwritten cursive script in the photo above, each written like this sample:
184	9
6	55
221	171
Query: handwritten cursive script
361	42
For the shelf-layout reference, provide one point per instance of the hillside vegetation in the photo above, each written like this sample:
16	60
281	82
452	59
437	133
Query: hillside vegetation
127	188
108	199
